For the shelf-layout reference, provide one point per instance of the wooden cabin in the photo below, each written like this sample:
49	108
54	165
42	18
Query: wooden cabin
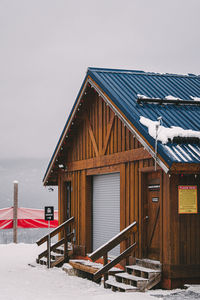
112	168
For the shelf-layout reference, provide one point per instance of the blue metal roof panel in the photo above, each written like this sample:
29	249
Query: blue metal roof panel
123	86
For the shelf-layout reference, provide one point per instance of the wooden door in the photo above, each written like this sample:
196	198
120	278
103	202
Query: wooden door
152	216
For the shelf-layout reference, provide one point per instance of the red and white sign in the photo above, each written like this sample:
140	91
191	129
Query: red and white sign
26	218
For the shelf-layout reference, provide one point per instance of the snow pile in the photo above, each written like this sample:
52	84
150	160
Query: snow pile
195	98
19	281
166	134
170	97
142	96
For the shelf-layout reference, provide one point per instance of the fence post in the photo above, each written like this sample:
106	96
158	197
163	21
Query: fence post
15	207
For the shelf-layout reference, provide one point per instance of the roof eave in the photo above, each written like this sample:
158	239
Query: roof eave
65	130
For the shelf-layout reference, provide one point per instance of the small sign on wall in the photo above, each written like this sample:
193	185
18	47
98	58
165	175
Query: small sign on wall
155	199
187	198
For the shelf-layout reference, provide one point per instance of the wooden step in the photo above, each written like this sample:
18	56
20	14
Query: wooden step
54	262
59	250
58	261
90	267
119	286
153	281
149	263
142	271
55	256
136	281
42	261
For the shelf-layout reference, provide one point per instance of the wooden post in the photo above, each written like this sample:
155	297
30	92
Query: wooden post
105	261
49	251
65	244
15	207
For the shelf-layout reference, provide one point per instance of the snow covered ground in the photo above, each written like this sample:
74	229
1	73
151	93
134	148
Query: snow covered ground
19	281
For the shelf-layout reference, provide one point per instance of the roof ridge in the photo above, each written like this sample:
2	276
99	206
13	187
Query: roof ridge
140	72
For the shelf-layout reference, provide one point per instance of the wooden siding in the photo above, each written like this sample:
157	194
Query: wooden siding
185	232
97	132
99	143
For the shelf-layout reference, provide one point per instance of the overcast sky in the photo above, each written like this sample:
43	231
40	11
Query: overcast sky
46	47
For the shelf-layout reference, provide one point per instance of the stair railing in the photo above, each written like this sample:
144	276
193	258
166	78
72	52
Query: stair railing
112	243
67	237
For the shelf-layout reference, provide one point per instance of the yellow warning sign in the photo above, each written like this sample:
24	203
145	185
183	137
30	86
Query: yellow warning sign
187	197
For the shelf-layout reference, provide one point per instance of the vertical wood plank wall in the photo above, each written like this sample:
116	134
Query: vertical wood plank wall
98	132
185	232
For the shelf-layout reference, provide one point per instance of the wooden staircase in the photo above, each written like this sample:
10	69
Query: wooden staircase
57	256
58	253
140	277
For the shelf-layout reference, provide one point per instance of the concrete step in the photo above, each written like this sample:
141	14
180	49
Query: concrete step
149	263
119	286
142	271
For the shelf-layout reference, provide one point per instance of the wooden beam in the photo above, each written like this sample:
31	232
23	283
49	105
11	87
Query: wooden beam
108	134
103	170
183	167
149	169
92	136
108	160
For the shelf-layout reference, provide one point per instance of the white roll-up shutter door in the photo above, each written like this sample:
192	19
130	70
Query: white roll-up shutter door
106	209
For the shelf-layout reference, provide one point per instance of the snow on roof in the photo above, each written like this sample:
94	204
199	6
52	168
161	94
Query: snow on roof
166	134
170	97
142	96
195	98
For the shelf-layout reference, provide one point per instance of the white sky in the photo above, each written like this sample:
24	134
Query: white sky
46	47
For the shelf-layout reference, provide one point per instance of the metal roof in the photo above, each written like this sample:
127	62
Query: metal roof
123	86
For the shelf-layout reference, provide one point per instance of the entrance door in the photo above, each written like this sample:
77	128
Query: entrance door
152	215
106	209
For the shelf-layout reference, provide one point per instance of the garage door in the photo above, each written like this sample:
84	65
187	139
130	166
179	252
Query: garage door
106	209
